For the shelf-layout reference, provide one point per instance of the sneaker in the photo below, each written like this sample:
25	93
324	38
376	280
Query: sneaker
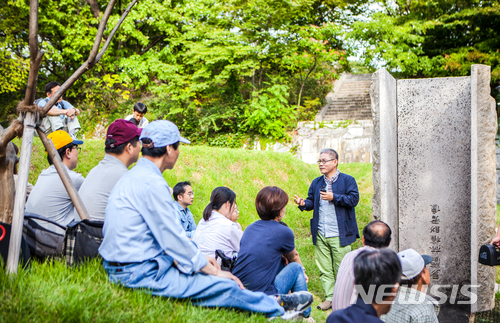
326	305
295	302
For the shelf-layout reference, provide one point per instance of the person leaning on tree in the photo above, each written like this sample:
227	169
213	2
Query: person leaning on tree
333	197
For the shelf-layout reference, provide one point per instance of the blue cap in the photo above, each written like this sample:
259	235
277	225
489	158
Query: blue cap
162	133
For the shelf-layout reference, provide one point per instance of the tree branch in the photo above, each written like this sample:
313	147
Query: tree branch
113	32
35	54
94	7
14	130
156	41
93	57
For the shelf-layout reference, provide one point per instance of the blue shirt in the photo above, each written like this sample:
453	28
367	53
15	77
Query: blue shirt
259	259
186	219
327	224
141	222
358	312
63	105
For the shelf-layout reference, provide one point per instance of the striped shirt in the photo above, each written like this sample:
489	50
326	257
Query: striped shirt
344	293
411	305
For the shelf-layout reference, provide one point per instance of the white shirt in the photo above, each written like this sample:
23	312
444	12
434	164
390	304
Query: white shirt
144	122
218	233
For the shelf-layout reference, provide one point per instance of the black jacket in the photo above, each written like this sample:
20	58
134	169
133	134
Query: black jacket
345	198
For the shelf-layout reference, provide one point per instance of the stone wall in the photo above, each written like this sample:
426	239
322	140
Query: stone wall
352	140
442	141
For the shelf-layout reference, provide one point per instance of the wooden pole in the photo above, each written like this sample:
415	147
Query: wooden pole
20	197
61	169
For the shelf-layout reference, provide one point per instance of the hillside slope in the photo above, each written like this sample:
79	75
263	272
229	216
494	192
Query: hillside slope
62	292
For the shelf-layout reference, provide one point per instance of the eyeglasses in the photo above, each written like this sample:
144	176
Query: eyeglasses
324	161
79	149
190	194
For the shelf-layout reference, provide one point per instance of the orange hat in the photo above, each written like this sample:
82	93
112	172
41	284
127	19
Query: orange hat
62	138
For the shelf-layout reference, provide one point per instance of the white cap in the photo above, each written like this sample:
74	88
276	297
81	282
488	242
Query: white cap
412	263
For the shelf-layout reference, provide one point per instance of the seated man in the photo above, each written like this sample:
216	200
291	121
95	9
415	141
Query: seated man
145	246
412	304
376	235
184	197
122	149
372	268
49	197
259	265
137	117
61	116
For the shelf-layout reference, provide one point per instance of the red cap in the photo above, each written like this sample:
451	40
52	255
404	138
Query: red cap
122	131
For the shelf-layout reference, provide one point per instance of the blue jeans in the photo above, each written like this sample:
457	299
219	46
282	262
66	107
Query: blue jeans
291	278
160	278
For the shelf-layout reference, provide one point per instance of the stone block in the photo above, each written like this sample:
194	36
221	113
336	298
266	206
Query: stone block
385	151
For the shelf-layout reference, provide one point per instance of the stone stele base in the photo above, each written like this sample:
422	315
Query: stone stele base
434	179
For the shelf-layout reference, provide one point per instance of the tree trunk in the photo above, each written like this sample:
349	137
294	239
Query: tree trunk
8	160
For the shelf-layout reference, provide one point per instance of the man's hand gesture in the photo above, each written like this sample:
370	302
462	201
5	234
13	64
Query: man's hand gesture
299	201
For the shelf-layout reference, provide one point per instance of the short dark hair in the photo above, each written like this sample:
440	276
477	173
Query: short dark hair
179	188
377	234
61	152
140	107
410	282
156	151
49	86
377	268
330	152
118	150
270	201
219	196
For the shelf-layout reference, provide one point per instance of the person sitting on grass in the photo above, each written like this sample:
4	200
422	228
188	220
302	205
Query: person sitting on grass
376	268
140	109
146	248
184	197
49	197
412	304
259	265
216	231
122	149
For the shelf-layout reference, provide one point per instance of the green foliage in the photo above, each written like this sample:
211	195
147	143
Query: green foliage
50	292
432	39
205	64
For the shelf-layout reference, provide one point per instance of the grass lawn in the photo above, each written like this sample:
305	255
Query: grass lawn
50	292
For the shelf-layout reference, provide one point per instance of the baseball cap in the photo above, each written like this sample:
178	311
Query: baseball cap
61	138
412	263
162	133
121	131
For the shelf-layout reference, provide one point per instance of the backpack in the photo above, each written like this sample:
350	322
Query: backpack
43	243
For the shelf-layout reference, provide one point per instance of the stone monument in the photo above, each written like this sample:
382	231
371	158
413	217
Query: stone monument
434	179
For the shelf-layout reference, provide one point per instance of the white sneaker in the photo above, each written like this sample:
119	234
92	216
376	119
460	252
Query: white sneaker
295	303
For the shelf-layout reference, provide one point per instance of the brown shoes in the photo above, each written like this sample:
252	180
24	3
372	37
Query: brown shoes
326	305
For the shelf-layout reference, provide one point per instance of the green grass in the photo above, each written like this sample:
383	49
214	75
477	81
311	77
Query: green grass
50	292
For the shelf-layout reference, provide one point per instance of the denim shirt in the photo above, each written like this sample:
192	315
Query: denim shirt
141	222
63	105
186	219
327	225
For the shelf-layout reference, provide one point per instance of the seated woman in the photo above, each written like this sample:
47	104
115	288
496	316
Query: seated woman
216	231
259	265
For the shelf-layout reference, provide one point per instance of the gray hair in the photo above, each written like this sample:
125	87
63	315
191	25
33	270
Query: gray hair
330	152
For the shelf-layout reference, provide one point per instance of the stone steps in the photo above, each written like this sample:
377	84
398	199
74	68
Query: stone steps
351	100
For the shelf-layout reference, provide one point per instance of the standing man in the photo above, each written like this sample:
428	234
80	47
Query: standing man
145	246
184	197
137	117
61	116
333	197
122	149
